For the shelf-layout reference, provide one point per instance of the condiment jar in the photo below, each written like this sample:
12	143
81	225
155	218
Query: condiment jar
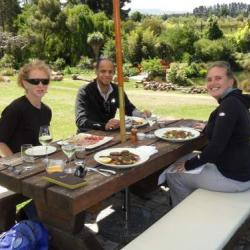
133	135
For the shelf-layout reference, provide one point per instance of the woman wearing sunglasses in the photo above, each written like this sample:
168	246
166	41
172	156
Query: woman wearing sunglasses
20	121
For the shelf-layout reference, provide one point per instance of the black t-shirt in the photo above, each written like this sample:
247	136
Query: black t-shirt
20	123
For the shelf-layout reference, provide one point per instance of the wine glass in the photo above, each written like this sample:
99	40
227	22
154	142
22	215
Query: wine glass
69	150
45	137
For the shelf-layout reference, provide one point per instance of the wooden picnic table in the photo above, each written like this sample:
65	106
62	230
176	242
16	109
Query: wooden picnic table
62	209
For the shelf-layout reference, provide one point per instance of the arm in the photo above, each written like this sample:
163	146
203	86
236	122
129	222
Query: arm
225	123
5	150
82	121
10	118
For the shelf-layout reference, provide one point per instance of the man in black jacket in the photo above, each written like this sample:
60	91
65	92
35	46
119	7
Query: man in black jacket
97	103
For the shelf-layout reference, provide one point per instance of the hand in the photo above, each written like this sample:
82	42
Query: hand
112	124
180	167
199	126
146	113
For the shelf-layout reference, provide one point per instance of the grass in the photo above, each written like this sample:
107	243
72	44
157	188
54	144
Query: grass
61	99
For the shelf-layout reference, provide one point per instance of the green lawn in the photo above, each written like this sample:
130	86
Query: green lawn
61	98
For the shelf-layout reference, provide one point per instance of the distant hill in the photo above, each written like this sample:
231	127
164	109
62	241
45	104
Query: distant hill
155	11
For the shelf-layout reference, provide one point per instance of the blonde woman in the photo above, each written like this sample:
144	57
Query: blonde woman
20	120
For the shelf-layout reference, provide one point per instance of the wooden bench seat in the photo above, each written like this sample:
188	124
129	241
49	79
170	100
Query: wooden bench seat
8	202
204	220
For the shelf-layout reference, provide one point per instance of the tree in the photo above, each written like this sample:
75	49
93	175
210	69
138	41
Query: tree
102	5
213	32
9	9
95	40
243	38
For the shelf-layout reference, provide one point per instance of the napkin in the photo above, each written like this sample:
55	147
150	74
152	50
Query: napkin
11	162
163	176
148	150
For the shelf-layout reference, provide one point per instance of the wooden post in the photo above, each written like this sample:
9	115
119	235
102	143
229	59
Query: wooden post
118	46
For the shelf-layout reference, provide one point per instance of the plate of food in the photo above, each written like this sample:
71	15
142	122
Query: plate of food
134	121
177	134
40	150
121	157
88	141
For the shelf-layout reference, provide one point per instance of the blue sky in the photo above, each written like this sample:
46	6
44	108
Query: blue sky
177	5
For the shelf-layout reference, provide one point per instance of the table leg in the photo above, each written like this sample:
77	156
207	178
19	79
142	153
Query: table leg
67	231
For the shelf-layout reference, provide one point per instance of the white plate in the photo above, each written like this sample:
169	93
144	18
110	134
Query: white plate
160	134
104	140
40	150
137	119
142	157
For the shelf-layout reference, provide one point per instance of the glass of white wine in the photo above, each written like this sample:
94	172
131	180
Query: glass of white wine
69	150
45	138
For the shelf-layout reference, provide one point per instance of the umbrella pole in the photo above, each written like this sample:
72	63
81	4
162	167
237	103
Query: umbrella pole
117	22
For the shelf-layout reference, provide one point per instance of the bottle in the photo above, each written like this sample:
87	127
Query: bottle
133	135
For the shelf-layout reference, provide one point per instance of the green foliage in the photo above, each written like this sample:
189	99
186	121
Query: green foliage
7	61
214	50
177	74
129	70
136	16
109	48
243	38
155	24
153	67
213	32
59	64
71	70
85	63
9	9
196	70
243	60
7	72
181	39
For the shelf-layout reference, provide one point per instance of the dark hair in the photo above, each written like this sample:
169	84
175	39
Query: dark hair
225	65
102	58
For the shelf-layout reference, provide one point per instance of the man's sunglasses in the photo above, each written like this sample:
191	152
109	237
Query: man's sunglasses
36	81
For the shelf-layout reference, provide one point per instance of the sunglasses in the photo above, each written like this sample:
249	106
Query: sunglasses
36	81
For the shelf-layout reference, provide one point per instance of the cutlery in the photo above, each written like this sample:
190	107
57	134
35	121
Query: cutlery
107	170
97	171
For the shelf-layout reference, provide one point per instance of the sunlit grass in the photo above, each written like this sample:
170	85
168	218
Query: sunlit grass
61	98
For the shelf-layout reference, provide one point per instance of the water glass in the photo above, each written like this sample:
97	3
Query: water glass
26	155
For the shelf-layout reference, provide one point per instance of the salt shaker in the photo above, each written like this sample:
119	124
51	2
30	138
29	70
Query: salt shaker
133	135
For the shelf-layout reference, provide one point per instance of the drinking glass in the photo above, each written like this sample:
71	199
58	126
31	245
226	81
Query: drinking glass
69	150
26	155
45	137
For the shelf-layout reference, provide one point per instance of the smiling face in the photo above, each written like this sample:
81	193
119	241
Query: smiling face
105	72
36	91
218	82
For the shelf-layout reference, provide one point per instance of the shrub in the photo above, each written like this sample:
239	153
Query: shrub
245	85
129	70
177	74
243	60
8	72
153	67
7	61
85	63
214	50
59	64
71	70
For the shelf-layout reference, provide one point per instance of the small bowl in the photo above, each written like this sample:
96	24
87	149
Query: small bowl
55	165
141	136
